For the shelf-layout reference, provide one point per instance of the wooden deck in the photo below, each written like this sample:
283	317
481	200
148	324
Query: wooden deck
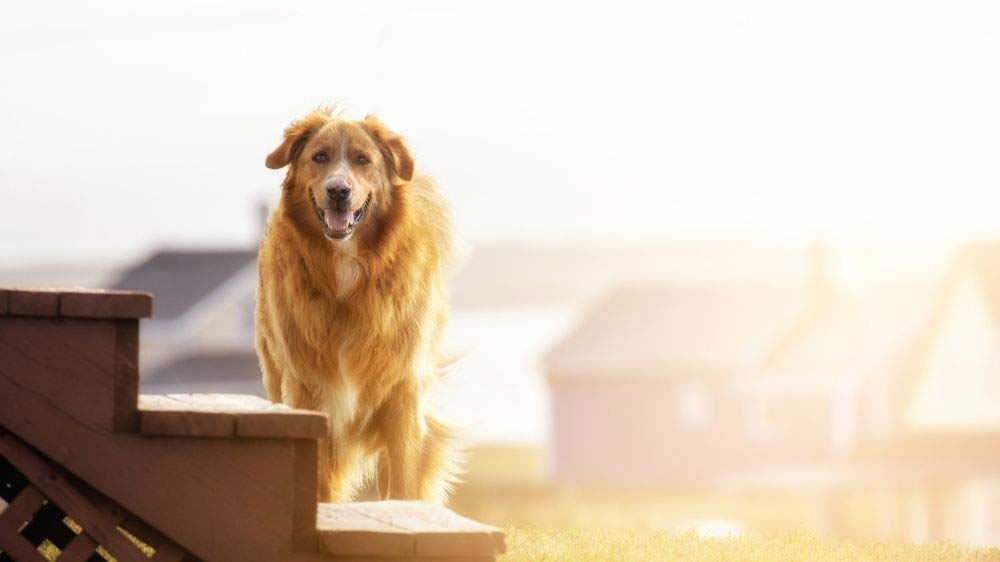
203	476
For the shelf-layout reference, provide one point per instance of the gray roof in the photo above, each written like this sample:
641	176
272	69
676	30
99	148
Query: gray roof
679	329
179	279
226	372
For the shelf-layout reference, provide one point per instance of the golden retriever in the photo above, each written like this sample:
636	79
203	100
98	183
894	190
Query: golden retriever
351	304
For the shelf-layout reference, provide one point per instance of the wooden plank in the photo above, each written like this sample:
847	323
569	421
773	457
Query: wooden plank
21	509
305	536
164	416
105	304
347	532
126	376
221	415
438	531
67	363
75	303
18	547
144	532
288	423
33	302
48	524
79	549
260	418
192	490
18	512
99	524
169	552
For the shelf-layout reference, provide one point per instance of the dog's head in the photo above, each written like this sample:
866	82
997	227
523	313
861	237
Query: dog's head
340	170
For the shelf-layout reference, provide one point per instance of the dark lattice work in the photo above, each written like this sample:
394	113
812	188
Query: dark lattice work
47	514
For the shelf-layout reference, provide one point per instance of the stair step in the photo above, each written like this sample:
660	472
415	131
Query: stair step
75	303
226	415
403	529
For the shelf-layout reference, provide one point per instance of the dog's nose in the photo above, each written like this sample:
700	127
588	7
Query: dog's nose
338	190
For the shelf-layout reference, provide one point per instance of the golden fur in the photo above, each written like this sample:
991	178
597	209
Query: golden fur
350	327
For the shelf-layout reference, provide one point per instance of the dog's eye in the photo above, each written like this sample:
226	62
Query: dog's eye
361	160
321	157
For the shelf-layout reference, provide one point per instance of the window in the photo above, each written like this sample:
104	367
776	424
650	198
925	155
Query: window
691	406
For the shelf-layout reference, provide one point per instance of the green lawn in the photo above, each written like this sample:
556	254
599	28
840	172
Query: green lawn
534	544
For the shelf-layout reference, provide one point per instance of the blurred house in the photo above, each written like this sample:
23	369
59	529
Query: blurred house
643	391
651	387
201	336
792	385
939	438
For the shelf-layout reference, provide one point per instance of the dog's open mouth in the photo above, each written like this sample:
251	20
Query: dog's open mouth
339	222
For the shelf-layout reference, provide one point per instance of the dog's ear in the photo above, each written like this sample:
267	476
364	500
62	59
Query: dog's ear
296	136
394	151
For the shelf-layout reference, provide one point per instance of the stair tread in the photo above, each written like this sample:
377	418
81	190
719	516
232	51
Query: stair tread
226	415
403	529
75	303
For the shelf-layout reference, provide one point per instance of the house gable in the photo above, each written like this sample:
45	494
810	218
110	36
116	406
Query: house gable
958	386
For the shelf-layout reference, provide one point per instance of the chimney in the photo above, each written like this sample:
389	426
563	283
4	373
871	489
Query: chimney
263	213
819	282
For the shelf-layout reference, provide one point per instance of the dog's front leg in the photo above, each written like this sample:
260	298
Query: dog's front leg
401	434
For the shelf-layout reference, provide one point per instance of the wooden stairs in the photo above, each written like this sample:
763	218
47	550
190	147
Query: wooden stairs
91	470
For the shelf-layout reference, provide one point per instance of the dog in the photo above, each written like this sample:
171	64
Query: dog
351	304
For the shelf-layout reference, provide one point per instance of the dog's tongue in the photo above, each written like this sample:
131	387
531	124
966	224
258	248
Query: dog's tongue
338	220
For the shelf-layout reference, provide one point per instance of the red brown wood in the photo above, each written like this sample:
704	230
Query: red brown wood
68	363
79	549
164	416
33	303
221	499
21	508
141	530
226	415
106	304
432	530
126	376
305	536
75	303
437	530
345	532
101	525
18	548
292	424
169	552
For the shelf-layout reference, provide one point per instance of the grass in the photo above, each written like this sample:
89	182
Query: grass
547	523
534	544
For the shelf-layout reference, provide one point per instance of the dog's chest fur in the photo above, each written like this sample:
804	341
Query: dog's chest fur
346	272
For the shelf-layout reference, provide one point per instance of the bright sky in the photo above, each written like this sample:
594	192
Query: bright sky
127	125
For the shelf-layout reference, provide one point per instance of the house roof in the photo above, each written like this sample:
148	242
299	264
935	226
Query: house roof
982	261
858	334
655	329
978	262
179	279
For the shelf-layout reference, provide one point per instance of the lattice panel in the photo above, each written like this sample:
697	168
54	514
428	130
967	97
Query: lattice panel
46	514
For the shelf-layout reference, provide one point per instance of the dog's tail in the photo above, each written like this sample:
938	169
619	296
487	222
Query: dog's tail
441	462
